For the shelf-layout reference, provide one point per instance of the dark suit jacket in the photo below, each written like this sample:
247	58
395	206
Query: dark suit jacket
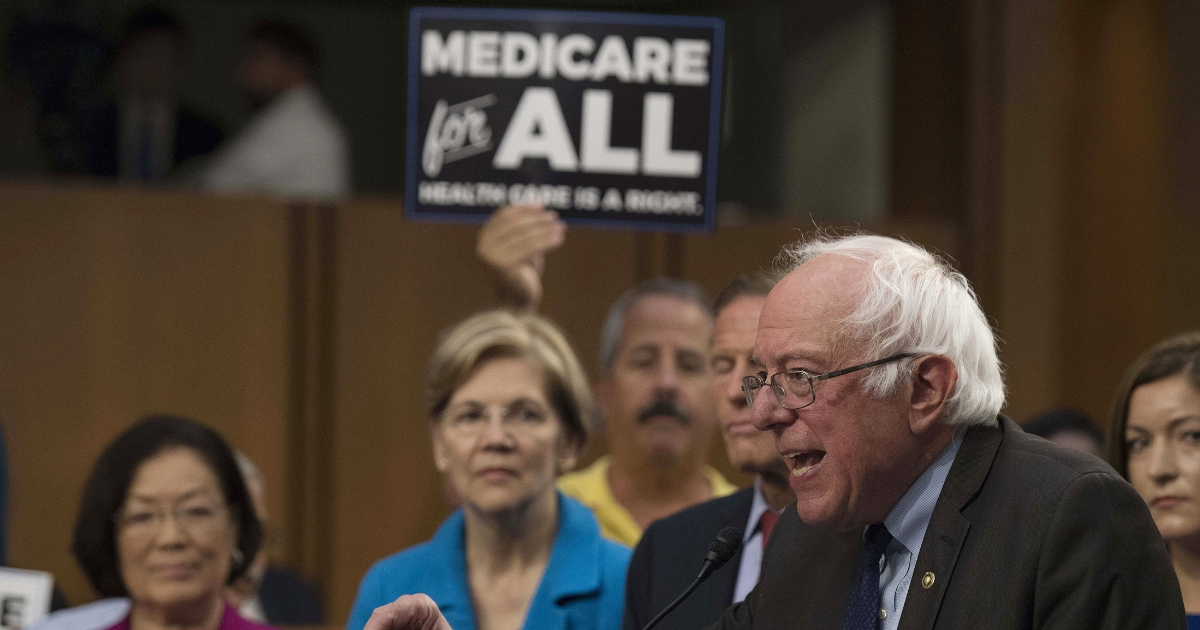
669	555
195	136
1024	535
289	599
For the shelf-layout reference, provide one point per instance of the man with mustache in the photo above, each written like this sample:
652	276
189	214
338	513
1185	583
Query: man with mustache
655	396
664	562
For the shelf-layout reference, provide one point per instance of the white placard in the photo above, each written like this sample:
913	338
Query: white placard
24	596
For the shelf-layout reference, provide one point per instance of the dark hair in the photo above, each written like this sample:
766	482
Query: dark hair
758	284
1176	355
290	41
1057	421
95	541
150	20
614	322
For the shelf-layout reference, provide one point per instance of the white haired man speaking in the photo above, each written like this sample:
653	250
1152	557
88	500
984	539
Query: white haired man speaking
917	505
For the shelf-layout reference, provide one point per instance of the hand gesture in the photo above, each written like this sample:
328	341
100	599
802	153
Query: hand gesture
514	242
410	612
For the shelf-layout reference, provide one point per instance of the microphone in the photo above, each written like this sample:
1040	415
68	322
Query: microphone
720	550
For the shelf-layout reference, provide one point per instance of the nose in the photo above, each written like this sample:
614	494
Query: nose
170	533
666	380
1163	466
496	434
733	390
767	414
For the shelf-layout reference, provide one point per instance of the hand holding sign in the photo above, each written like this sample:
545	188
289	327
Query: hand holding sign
514	243
410	612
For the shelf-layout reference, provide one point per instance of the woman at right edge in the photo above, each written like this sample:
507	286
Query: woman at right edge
1154	441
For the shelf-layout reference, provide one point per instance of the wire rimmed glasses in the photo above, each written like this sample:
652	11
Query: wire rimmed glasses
196	517
797	389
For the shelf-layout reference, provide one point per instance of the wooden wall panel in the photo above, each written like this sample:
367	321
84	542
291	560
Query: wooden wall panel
1116	200
113	305
1096	262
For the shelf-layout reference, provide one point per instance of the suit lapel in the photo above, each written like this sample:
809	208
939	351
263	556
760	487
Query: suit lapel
948	527
806	568
734	515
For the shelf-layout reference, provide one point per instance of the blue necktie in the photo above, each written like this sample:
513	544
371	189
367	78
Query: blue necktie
863	611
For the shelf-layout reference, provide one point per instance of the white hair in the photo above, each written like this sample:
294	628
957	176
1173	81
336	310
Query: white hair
915	302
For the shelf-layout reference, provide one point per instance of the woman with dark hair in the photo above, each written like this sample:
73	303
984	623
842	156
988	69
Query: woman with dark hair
1154	441
165	524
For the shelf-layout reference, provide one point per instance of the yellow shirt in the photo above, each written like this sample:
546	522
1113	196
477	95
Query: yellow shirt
590	487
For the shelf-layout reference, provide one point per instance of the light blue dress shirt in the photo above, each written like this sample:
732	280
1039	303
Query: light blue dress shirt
752	547
907	523
583	587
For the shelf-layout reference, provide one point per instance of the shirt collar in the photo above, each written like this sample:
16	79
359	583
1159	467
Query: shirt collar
448	587
757	506
573	568
910	517
574	565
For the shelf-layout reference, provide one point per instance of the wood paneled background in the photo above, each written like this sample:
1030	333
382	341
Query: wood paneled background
1044	146
301	333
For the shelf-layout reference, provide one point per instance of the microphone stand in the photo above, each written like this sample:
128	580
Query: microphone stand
720	551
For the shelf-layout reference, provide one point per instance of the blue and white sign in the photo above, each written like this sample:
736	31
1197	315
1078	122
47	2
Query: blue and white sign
611	119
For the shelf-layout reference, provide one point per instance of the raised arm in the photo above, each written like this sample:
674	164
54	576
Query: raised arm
513	243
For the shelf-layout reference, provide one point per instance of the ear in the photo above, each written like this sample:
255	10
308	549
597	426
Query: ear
568	456
440	461
934	377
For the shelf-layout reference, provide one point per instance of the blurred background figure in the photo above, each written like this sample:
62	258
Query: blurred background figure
165	524
53	58
509	410
662	563
655	392
294	146
146	132
1067	427
265	593
1154	441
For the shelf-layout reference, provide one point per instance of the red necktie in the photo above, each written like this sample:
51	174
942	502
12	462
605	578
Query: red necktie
766	523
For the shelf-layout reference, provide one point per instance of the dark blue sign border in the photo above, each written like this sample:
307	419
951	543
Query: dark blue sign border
416	14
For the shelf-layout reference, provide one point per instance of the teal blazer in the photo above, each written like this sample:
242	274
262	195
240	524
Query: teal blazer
583	587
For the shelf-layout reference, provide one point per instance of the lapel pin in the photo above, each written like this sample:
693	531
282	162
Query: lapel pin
927	580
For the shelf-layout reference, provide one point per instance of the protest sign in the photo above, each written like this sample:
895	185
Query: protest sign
611	119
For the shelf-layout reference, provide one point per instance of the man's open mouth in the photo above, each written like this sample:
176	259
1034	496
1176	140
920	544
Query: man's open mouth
804	461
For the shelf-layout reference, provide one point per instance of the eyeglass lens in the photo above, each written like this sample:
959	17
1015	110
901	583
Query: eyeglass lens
195	518
793	390
473	419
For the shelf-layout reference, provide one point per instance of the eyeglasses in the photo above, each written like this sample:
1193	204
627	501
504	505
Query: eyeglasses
197	518
797	389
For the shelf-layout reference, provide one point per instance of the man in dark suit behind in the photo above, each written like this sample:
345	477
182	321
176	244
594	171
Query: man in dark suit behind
669	554
917	505
148	132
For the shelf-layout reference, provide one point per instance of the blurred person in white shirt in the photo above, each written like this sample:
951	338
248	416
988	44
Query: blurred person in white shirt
294	146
